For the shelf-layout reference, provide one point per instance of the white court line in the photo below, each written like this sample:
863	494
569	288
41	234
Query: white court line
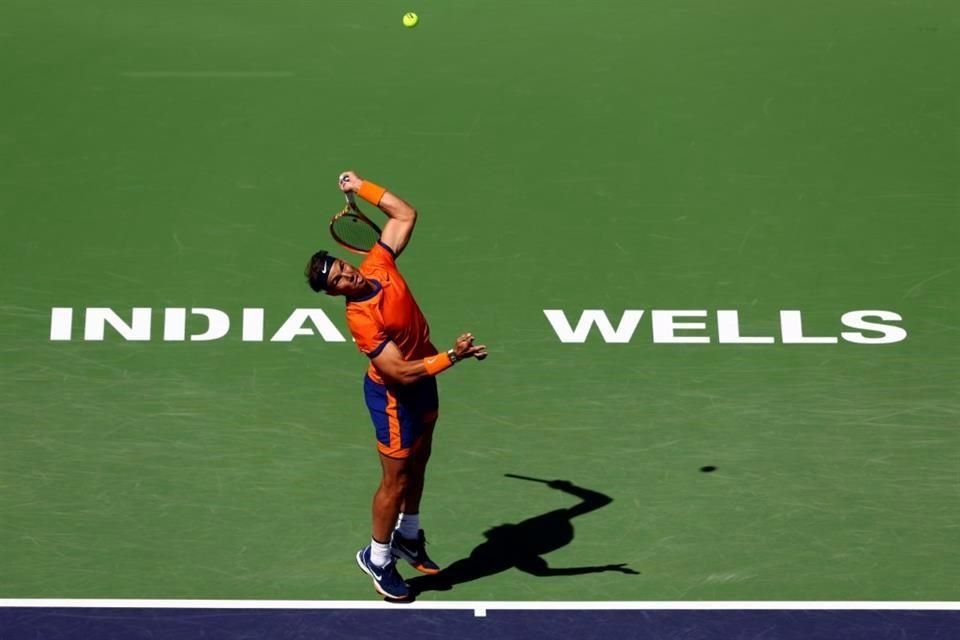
208	74
482	607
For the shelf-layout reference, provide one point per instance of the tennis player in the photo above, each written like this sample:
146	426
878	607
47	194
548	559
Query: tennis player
399	386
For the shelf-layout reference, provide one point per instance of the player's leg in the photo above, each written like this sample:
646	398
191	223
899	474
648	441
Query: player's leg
376	559
409	540
389	498
418	470
394	440
421	404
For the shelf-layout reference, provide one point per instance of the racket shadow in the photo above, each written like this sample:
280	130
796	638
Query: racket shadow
522	545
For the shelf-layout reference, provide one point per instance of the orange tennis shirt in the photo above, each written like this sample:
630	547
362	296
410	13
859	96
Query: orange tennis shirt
389	314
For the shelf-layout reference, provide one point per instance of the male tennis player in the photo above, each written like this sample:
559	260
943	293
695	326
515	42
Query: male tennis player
399	386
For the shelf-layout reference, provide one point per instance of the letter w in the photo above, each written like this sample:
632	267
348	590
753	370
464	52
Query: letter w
623	332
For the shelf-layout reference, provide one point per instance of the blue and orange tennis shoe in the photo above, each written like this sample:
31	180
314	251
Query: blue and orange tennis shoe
414	552
386	579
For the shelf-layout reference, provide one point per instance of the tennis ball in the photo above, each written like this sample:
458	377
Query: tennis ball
410	19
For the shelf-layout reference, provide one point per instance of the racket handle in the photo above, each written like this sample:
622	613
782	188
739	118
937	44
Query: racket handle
347	194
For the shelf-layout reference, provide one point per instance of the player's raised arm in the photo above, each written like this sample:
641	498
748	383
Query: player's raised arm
402	216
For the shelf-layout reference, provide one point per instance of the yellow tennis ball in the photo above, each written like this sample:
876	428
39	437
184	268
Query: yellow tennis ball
410	19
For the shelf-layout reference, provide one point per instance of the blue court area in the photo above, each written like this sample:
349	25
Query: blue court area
425	624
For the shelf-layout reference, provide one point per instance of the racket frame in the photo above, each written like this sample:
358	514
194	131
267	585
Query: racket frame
351	209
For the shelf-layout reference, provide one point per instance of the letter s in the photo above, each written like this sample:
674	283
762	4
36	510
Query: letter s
889	334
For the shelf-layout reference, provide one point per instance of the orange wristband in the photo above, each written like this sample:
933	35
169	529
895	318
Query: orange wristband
371	192
438	363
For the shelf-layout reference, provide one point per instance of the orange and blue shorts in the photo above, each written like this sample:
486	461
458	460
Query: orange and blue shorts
401	413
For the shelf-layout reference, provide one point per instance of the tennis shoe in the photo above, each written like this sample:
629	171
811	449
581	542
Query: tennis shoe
414	552
386	579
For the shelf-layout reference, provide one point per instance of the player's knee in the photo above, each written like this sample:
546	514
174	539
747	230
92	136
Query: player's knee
395	483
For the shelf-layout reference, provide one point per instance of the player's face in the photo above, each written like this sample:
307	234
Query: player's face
345	280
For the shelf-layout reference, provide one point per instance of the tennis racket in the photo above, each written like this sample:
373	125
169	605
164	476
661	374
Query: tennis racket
351	229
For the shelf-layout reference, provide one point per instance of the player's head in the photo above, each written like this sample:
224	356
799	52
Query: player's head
334	276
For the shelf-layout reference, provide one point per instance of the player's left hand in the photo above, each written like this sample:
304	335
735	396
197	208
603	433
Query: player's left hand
621	568
464	348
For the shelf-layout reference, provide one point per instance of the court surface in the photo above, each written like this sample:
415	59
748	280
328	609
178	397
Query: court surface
611	155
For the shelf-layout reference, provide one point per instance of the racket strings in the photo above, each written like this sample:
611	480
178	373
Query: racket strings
355	232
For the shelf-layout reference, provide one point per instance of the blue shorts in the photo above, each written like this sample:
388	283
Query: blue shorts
400	413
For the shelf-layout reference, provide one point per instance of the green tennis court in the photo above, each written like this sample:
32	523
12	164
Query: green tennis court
688	156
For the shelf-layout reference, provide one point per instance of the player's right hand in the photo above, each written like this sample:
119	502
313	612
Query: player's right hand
349	181
464	348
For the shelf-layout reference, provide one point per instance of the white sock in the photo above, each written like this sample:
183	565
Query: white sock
379	553
409	525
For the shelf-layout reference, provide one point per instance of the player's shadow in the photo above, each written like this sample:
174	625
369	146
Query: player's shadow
522	545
